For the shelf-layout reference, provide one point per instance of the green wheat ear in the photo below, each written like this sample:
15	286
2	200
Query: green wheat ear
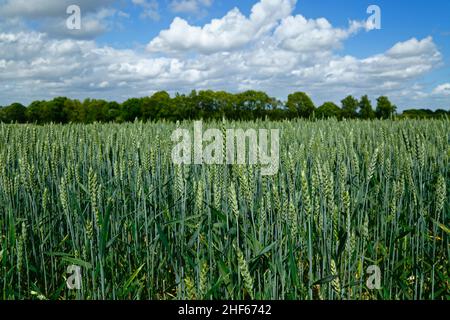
372	165
440	194
63	195
198	205
190	289
335	283
233	201
245	273
204	279
306	195
293	221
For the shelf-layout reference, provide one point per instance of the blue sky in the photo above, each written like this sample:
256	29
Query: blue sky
128	48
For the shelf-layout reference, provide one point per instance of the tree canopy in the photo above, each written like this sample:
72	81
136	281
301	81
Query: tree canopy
349	107
365	108
206	104
385	109
300	104
329	110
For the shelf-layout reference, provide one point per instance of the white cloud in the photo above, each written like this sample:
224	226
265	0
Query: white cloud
302	35
412	47
150	9
443	89
92	25
232	31
189	6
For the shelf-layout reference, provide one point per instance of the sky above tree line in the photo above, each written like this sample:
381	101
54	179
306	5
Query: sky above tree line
133	48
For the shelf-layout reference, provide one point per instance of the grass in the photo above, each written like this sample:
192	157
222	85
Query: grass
107	198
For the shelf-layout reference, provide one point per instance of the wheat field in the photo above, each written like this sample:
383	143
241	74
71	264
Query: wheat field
348	196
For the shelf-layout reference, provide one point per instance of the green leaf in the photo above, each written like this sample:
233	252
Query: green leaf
182	220
442	226
77	262
267	249
404	233
133	276
325	280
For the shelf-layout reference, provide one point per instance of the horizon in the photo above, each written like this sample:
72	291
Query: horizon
283	102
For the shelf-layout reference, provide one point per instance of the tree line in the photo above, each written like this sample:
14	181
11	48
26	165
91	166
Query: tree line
207	104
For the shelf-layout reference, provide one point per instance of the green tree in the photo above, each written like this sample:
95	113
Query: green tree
74	111
131	109
385	109
300	104
35	112
328	110
365	108
206	104
97	111
54	111
158	106
112	111
253	104
226	105
349	107
16	112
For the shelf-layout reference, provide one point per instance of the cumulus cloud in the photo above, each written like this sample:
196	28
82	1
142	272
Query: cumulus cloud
232	31
412	47
443	89
32	64
302	35
92	24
